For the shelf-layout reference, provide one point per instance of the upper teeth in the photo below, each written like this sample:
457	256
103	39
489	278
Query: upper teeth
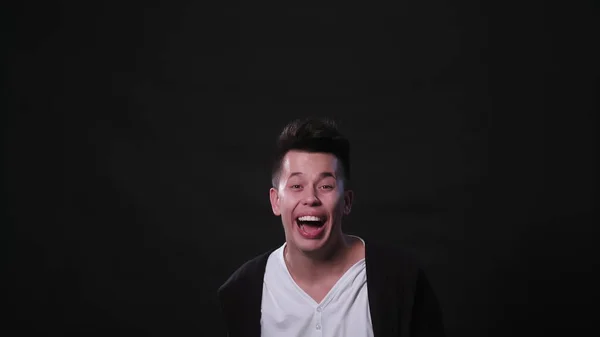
309	218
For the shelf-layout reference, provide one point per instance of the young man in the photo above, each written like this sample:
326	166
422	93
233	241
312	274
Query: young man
322	282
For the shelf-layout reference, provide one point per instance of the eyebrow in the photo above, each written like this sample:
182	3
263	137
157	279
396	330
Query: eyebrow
321	175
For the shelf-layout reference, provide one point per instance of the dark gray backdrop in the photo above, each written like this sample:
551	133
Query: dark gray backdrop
137	140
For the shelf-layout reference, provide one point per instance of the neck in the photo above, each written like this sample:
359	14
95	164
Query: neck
318	265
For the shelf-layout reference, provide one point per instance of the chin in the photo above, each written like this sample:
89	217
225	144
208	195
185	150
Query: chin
309	246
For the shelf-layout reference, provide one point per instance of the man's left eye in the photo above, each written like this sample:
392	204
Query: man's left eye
327	186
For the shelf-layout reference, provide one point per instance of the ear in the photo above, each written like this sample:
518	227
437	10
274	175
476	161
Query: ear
274	196
348	199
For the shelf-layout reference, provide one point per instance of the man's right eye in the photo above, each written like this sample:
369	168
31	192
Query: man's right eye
296	186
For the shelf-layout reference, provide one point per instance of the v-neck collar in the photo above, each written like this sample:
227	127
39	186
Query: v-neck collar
331	293
379	283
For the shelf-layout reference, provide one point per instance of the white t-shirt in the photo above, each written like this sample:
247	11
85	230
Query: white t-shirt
288	311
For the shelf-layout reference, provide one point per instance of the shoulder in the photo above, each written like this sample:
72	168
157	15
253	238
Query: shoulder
391	255
395	262
249	272
398	273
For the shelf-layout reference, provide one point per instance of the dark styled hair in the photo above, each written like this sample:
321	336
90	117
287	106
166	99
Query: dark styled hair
312	135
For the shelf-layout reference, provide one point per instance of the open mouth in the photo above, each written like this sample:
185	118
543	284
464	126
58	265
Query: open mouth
311	226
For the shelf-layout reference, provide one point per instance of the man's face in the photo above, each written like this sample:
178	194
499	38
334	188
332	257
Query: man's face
310	199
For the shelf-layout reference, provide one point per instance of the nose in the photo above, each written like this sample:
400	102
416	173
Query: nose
311	199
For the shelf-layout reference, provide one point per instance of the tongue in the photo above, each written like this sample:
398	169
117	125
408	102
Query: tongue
310	229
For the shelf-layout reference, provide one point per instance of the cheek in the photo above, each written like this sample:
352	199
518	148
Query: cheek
286	208
335	203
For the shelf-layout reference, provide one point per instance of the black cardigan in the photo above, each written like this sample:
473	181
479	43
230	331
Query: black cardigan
401	300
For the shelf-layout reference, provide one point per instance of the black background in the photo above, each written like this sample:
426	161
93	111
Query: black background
137	140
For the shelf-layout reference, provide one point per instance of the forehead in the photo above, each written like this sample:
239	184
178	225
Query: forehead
309	162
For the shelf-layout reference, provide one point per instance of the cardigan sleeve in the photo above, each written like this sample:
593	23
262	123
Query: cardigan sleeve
223	326
427	320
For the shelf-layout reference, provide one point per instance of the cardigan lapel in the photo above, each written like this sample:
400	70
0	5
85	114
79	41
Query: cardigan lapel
243	305
382	292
